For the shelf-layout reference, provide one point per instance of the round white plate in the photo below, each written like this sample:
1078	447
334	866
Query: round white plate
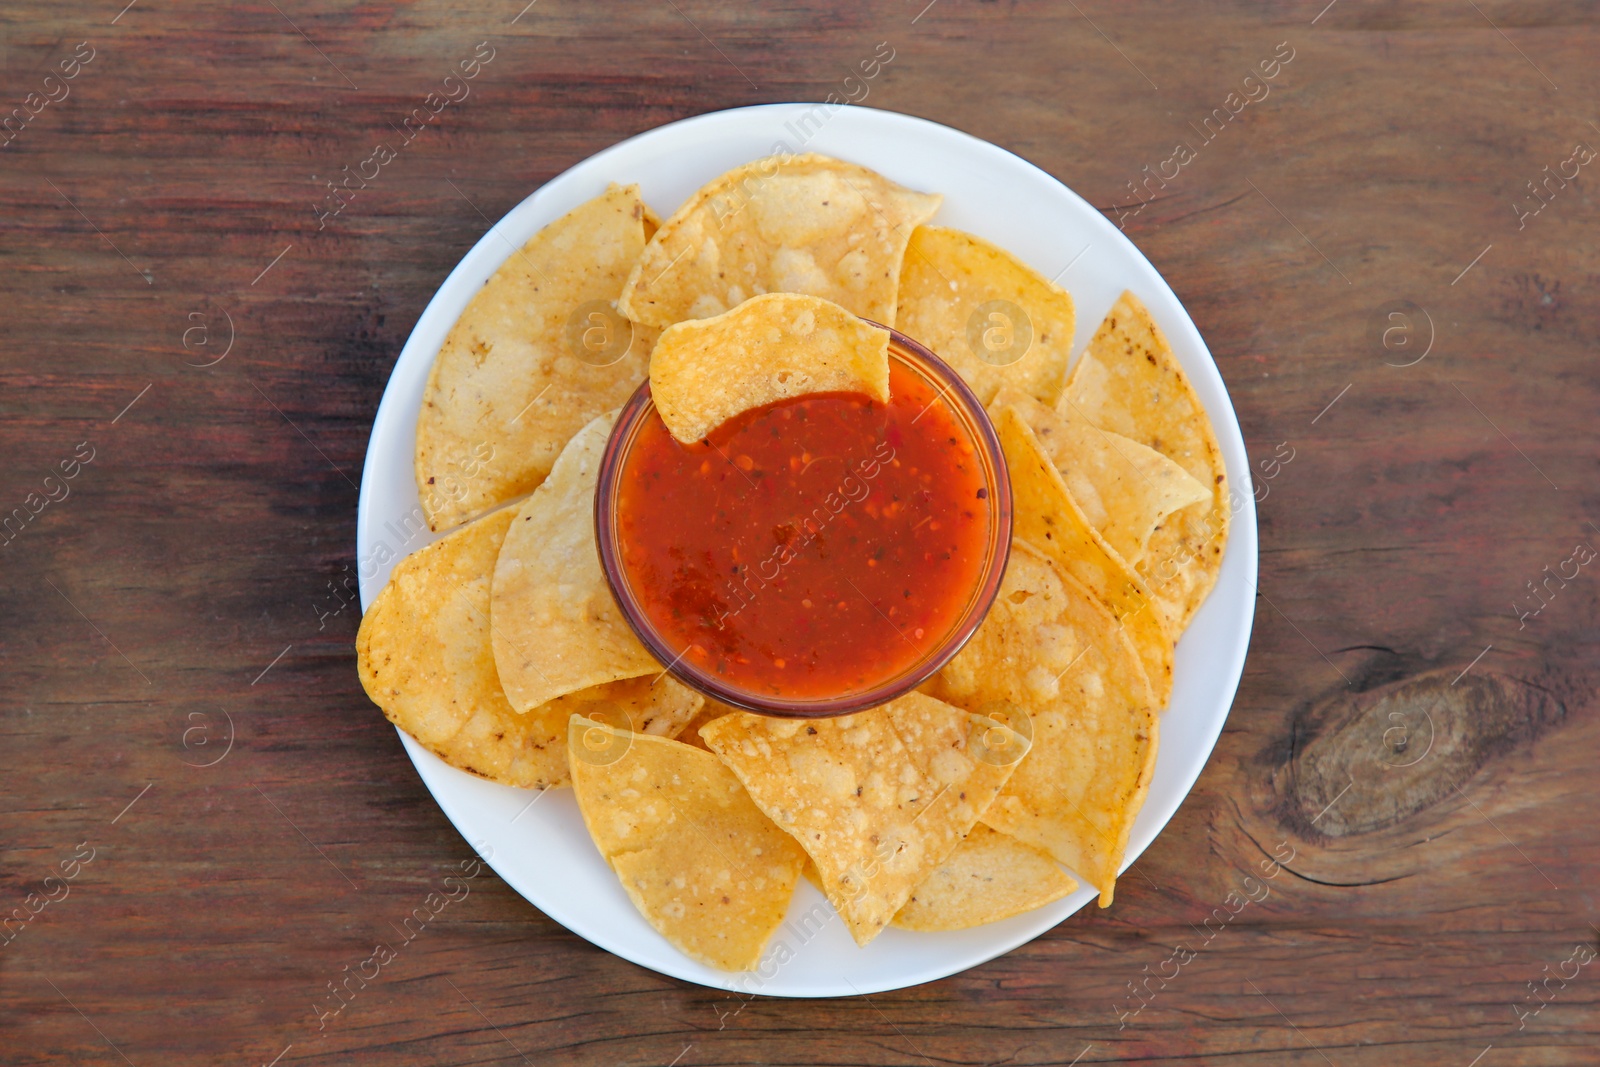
537	841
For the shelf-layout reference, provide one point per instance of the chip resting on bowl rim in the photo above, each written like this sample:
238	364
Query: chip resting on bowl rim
703	372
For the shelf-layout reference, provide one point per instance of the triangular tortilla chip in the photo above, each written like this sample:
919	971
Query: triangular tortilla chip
537	353
1124	488
877	799
990	876
993	318
698	859
1130	383
425	658
784	224
557	628
1050	647
705	371
1046	516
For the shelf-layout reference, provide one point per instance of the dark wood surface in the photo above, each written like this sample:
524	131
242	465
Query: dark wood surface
1442	825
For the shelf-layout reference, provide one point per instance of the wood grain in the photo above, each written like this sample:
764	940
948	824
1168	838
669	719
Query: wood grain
190	577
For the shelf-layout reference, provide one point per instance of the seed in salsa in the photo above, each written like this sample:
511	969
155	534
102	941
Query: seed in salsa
812	548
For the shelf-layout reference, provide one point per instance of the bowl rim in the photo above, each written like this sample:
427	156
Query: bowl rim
969	410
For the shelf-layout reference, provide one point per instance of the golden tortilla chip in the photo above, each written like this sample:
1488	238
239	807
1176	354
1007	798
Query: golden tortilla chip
424	656
877	799
994	319
785	224
557	628
697	858
1130	383
990	876
1050	647
1124	488
706	371
1045	515
538	352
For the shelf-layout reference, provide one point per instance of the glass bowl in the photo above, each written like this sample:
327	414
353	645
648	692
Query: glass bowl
966	412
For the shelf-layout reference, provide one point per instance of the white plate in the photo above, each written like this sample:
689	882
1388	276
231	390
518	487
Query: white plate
537	842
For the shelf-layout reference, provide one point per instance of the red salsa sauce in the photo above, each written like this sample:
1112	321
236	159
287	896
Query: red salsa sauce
812	548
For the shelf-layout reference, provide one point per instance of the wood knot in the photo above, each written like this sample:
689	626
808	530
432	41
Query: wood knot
1368	761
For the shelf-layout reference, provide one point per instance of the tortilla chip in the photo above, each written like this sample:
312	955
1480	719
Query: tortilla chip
1124	488
1130	383
1049	646
1045	515
557	628
877	799
425	657
698	859
538	352
990	876
997	321
769	348
785	224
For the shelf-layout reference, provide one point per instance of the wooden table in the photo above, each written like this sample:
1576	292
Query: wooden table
183	728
